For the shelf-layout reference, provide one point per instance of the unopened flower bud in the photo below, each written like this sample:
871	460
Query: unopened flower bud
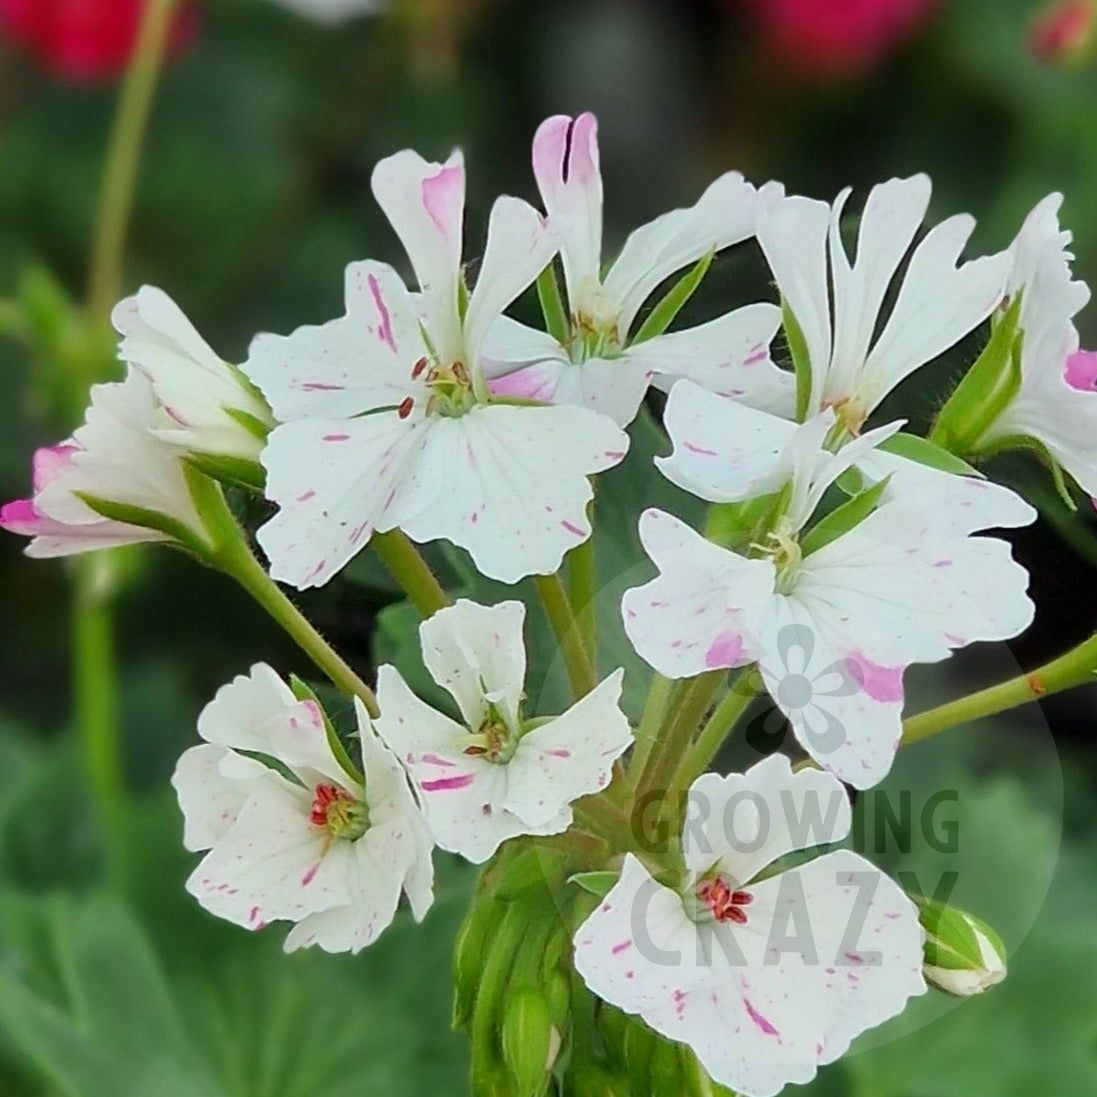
1063	32
529	1044
963	955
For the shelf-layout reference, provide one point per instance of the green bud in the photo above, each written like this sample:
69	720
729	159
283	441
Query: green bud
530	1042
665	1074
468	956
587	1080
963	955
613	1025
640	1044
558	994
533	868
986	389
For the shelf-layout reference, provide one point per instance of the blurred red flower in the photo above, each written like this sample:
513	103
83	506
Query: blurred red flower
837	37
1063	31
85	41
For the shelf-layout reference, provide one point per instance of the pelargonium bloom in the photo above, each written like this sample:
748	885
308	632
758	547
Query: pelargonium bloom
85	40
837	306
832	621
599	367
1056	403
333	11
386	422
765	976
209	406
312	841
492	776
114	458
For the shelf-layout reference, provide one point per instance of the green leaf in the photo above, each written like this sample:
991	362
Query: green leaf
662	316
552	306
924	452
843	518
985	390
801	360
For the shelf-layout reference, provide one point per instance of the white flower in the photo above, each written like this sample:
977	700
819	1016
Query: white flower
307	842
1056	403
832	624
599	368
764	979
838	313
333	11
385	421
114	458
208	406
493	777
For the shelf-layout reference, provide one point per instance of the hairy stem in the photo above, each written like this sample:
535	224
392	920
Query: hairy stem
569	636
411	571
1074	668
124	156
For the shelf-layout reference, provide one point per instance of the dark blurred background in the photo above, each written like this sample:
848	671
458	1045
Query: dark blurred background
252	197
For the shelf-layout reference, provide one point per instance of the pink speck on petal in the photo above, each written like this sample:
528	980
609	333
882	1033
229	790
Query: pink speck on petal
619	948
701	450
305	496
572	528
443	199
310	875
559	752
1081	371
943	564
883	684
339	437
523	384
447	784
725	651
758	354
615	454
765	1026
384	330
320	386
438	760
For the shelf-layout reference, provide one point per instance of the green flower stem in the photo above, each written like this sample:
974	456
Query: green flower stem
569	636
581	587
411	571
720	725
601	817
229	551
687	712
124	155
95	701
655	709
1074	668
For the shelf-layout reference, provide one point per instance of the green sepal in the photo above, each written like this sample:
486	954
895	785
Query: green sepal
304	692
527	1039
468	956
801	360
249	386
552	306
985	390
143	518
738	526
251	423
1034	445
534	868
951	942
924	452
843	518
231	470
662	316
597	883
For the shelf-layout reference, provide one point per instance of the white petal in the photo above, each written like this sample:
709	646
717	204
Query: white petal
893	212
510	484
240	714
729	356
519	247
335	482
724	451
793	234
724	215
272	863
210	802
510	346
425	203
742	823
357	363
565	164
478	654
568	757
940	301
192	382
699	614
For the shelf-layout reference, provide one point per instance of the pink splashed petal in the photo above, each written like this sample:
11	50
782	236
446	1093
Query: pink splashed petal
883	684
763	1024
20	516
50	462
524	384
443	199
384	325
725	651
1081	371
447	784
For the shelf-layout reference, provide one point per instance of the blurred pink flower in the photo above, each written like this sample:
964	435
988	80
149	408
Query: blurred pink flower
837	37
84	41
1063	30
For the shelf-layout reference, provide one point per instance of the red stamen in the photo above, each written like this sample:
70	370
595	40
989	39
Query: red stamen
404	410
418	368
724	903
323	798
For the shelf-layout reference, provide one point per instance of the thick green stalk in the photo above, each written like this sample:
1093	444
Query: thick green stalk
581	588
124	155
411	571
1074	668
655	709
569	636
687	712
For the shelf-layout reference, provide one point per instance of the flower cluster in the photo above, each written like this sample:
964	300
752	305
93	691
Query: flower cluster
840	548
